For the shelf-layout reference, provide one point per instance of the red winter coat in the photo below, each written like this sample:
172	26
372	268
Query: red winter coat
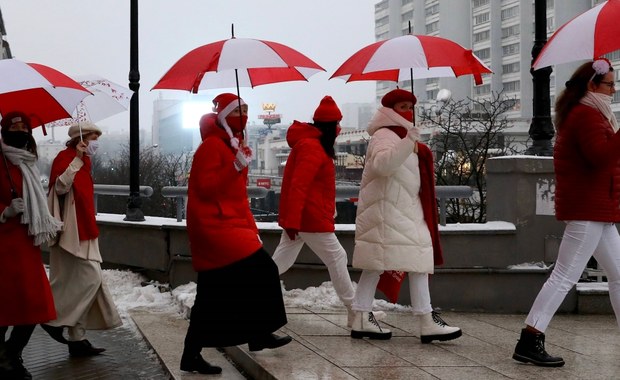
25	295
587	167
220	226
308	195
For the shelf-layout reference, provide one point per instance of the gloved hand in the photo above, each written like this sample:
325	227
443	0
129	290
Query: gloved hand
15	208
413	134
240	161
292	233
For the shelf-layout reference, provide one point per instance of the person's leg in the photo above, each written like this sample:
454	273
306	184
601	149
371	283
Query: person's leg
327	247
580	240
364	322
419	293
286	252
20	335
606	254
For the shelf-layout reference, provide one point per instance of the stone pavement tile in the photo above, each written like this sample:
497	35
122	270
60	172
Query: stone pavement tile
127	357
464	373
421	355
389	323
314	324
390	373
165	333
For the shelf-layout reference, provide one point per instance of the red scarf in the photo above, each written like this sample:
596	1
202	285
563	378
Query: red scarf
83	192
390	281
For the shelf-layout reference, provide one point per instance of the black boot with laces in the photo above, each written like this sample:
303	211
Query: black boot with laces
531	349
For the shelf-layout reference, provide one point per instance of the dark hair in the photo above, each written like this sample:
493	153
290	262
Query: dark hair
328	136
576	88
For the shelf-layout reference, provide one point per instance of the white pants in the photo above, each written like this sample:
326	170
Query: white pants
581	240
327	247
418	291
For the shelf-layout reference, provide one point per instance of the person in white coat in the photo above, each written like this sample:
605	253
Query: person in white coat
391	232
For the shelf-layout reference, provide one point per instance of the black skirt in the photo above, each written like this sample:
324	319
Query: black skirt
237	303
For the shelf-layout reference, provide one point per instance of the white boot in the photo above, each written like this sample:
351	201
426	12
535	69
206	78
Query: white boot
432	327
365	325
350	316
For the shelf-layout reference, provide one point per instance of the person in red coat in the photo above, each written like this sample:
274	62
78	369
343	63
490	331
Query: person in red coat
308	199
238	296
587	198
25	223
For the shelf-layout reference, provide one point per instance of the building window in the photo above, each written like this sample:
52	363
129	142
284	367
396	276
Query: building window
510	31
479	3
482	89
483	53
432	10
481	18
382	5
431	94
432	27
613	56
510	12
514	67
432	81
513	86
482	36
407	16
382	21
405	2
510	49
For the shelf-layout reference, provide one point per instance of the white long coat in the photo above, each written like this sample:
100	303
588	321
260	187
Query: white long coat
390	232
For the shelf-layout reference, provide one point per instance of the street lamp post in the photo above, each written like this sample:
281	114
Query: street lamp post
134	212
541	129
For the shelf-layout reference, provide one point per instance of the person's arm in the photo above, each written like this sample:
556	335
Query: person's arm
389	151
65	180
209	169
597	148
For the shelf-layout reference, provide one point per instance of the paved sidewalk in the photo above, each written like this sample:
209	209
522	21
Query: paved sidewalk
323	349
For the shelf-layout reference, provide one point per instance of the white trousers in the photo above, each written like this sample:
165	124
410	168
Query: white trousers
581	240
418	291
327	247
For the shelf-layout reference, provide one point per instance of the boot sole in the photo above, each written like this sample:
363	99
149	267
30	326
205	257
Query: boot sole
371	335
443	337
524	359
281	342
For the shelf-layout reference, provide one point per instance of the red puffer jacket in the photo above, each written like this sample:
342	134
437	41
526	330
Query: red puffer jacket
587	168
308	195
220	225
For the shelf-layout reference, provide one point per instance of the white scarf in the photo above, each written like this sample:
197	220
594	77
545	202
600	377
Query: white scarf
41	224
602	103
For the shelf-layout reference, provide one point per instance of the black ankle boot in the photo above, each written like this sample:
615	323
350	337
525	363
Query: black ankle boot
12	365
195	363
531	349
269	341
55	332
82	348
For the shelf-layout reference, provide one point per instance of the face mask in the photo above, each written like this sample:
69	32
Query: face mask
408	115
16	139
92	147
236	123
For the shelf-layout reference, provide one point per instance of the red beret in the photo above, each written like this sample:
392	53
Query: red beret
397	95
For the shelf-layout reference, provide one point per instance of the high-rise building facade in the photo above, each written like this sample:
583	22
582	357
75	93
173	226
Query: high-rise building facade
500	32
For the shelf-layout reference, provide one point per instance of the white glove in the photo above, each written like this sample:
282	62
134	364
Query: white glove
240	161
413	134
15	208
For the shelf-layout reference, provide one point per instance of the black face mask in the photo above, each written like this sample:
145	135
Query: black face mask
16	139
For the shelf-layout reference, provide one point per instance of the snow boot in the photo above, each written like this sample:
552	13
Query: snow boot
531	349
432	327
365	325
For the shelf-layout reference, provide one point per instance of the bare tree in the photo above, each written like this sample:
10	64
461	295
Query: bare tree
464	135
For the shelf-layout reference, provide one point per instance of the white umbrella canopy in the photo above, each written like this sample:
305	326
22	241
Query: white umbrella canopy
590	35
107	99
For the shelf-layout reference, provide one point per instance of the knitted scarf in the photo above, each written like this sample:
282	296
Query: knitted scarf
41	224
601	102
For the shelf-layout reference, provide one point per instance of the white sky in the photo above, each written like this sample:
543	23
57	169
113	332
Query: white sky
80	37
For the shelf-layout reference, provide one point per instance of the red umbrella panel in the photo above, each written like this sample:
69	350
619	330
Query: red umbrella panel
590	35
39	91
411	57
237	62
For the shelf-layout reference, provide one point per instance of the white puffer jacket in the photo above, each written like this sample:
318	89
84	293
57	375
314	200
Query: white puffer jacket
390	232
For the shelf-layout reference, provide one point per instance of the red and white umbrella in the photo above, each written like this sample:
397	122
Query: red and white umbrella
39	91
411	57
237	62
590	35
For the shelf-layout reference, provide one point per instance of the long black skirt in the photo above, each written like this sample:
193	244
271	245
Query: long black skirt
237	303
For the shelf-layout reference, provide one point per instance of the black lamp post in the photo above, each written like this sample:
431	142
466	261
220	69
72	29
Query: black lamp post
134	212
541	129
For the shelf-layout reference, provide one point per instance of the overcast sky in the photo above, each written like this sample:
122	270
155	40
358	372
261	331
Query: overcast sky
80	37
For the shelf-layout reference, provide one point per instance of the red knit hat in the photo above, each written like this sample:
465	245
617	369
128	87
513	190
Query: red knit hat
225	103
397	95
15	117
327	110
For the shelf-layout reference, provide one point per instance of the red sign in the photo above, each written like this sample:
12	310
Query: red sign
264	182
270	116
